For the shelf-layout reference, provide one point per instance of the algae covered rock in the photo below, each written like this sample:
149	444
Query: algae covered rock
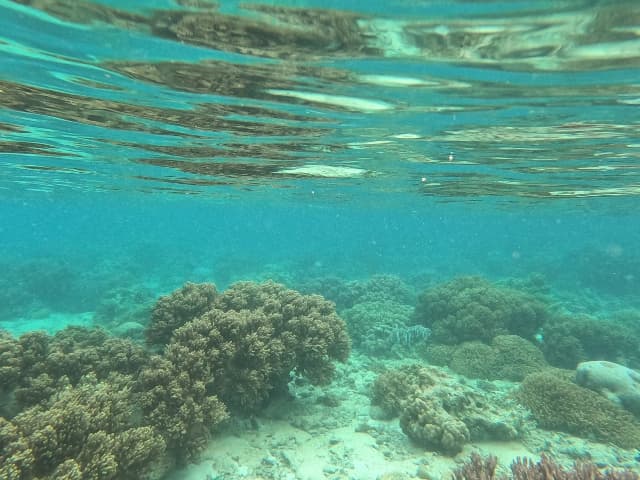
616	382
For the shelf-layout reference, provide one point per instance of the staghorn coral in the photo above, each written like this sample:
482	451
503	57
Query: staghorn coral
472	308
559	404
174	310
477	468
440	413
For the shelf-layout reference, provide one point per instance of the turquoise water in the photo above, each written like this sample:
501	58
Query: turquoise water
370	152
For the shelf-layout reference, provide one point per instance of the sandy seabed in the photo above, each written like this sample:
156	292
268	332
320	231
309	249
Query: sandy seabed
327	433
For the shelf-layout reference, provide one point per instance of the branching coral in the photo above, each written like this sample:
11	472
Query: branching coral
86	405
254	337
180	405
471	308
36	365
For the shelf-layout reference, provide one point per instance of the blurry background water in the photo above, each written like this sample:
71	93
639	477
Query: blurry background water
159	141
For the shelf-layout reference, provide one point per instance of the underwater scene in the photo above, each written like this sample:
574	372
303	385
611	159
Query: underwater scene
319	240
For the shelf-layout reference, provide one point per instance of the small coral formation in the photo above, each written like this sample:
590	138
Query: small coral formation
426	421
472	308
440	413
509	357
383	288
174	310
479	468
568	341
559	404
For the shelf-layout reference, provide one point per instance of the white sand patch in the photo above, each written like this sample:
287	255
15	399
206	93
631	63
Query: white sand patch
352	103
307	439
324	171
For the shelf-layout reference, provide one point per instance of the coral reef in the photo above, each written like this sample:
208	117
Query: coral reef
36	365
442	414
124	311
559	404
472	308
568	341
174	310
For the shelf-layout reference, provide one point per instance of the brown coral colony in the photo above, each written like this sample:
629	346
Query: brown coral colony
82	405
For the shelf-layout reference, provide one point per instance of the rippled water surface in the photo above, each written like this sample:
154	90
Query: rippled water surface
460	180
453	100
